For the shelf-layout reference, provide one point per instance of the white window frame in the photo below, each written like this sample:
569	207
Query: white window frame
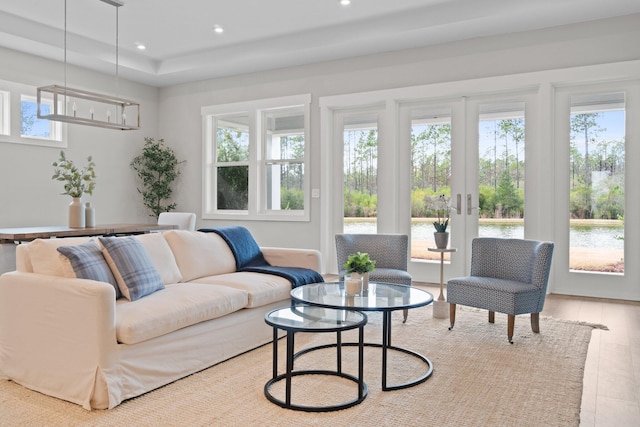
11	97
5	116
257	198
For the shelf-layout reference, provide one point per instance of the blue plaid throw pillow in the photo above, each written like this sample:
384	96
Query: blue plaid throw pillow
88	262
131	266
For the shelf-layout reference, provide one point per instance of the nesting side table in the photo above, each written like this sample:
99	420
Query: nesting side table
314	319
440	306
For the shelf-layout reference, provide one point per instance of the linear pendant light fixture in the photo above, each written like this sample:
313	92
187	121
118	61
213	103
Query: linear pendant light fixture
82	107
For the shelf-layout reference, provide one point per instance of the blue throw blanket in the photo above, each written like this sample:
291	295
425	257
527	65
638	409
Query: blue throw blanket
249	257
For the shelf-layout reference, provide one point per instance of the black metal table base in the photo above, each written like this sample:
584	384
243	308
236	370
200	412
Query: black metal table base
386	387
362	394
386	346
290	373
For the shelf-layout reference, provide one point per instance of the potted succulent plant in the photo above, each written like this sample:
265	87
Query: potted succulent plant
440	205
76	182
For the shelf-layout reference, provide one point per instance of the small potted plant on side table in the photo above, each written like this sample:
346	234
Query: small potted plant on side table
358	266
442	209
440	205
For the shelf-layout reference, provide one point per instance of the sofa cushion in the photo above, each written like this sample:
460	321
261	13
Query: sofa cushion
161	256
262	289
45	258
200	254
175	307
88	262
131	266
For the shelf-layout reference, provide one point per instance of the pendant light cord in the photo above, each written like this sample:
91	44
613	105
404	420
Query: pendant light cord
65	56
117	32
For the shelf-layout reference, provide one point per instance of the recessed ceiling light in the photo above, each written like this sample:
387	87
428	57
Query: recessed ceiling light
345	2
141	46
218	29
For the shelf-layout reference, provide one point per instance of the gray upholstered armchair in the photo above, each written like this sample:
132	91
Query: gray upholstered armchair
389	251
508	276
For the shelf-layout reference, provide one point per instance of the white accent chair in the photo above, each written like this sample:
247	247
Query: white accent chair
184	220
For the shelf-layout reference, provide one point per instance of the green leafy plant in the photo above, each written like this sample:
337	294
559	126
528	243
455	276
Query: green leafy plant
441	206
157	168
359	263
76	181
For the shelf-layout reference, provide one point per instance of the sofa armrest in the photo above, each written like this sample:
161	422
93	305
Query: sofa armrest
56	333
290	257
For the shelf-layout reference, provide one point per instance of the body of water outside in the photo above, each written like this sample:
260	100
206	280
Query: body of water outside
584	236
595	245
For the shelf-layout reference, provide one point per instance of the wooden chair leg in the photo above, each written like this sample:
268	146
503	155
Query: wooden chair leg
452	315
535	322
492	317
405	313
510	324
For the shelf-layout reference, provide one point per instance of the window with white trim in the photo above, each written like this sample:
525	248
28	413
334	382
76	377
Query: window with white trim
19	122
33	127
255	157
5	117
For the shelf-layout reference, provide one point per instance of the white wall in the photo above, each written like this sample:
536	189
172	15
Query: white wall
599	42
28	196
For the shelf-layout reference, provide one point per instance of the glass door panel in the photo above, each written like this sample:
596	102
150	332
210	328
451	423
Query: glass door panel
430	179
360	162
501	166
596	183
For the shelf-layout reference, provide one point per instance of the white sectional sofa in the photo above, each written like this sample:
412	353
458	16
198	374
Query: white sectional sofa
71	338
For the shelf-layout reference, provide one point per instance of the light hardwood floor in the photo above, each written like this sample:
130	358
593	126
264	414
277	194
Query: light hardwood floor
611	393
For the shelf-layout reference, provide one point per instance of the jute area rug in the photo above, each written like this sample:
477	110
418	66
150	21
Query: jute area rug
479	379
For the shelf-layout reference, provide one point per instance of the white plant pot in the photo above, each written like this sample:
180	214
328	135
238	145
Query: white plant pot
76	213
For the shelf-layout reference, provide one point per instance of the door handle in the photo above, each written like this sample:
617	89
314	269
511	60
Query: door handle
459	204
468	204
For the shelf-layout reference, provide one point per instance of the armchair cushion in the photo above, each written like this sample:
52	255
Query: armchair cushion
503	296
390	275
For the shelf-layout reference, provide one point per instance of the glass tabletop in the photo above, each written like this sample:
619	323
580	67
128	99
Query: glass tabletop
314	319
378	296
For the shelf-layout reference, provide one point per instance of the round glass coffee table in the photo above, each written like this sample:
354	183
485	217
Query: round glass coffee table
314	319
384	297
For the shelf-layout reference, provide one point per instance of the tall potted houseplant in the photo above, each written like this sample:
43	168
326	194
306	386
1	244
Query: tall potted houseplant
157	169
76	182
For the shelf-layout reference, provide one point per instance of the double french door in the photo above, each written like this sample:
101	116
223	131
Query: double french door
473	150
542	161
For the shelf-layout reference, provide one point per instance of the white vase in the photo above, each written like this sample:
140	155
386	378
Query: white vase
76	213
442	239
89	215
353	284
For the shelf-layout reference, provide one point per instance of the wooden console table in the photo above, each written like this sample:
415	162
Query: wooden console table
25	234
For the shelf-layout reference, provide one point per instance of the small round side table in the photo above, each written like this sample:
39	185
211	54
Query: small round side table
440	306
